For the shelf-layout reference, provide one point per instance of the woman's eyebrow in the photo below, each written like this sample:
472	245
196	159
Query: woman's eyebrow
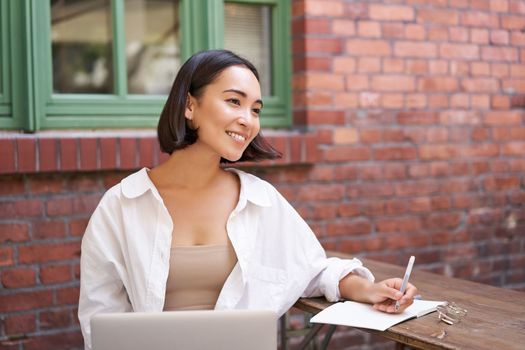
243	94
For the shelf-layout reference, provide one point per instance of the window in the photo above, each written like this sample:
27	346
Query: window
111	63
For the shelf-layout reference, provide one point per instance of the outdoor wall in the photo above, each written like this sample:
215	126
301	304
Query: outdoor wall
409	139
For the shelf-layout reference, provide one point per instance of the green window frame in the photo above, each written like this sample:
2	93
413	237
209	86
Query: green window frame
33	106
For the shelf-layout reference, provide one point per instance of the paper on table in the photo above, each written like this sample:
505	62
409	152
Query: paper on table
353	314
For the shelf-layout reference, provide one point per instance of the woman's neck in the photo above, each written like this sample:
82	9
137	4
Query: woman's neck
187	168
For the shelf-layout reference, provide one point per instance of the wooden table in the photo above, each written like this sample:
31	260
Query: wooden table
495	319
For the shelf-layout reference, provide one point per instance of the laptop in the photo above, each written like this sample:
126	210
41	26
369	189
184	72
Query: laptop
185	330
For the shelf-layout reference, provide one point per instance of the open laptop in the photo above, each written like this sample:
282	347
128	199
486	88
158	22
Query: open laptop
185	330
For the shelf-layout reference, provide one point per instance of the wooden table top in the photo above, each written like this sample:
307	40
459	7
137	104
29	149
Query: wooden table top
495	318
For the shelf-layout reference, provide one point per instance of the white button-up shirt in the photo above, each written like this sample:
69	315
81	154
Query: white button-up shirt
126	252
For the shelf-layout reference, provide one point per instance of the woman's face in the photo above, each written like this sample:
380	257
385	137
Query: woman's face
227	113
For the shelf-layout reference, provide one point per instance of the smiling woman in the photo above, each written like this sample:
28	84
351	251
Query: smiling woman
156	231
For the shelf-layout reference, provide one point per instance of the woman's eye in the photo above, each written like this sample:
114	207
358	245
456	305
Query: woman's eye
234	101
256	111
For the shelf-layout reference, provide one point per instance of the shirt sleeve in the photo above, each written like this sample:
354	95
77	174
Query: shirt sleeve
101	288
323	274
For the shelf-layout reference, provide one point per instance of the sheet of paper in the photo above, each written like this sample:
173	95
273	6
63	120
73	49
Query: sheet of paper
350	313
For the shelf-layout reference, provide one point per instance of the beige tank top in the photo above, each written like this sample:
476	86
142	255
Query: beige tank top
196	276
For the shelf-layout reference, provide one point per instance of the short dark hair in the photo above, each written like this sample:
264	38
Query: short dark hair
196	73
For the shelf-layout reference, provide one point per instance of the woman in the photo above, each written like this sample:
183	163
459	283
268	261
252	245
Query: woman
190	234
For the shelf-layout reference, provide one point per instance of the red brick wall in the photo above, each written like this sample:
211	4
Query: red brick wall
416	143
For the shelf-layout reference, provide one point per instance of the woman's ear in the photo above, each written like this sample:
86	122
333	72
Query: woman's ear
190	104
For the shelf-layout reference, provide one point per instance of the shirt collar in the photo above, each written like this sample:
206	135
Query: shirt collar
136	184
252	189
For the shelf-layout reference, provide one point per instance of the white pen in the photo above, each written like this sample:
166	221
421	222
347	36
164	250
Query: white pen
405	279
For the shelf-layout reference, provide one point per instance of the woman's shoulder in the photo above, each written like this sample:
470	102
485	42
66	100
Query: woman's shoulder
129	187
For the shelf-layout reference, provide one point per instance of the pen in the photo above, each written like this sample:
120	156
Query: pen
405	279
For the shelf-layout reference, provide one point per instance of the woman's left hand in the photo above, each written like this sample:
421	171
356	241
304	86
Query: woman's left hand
383	295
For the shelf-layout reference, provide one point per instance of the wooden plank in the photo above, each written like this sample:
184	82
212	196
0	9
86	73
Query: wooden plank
495	319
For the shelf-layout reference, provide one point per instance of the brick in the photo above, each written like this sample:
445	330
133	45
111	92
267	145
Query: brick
346	153
416	101
21	208
320	192
437	84
512	22
480	85
437	34
323	45
516	6
479	36
349	228
460	101
460	68
369	65
409	224
62	340
459	117
146	152
416	67
480	101
499	37
55	274
393	30
499	70
415	32
393	83
346	100
483	5
20	324
88	153
47	154
357	82
517	101
343	27
47	184
395	153
322	117
517	70
324	81
7	156
446	151
25	301
517	38
417	118
503	118
311	25
18	232
391	12
343	136
393	65
480	68
433	16
438	67
514	86
317	64
394	101
48	252
458	34
59	206
369	29
18	278
442	221
6	257
344	64
48	229
128	153
479	19
369	100
68	154
356	10
361	47
459	51
496	53
55	319
416	188
500	102
324	8
108	153
12	185
415	49
501	183
26	154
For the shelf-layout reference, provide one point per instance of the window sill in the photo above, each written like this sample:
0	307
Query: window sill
69	151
